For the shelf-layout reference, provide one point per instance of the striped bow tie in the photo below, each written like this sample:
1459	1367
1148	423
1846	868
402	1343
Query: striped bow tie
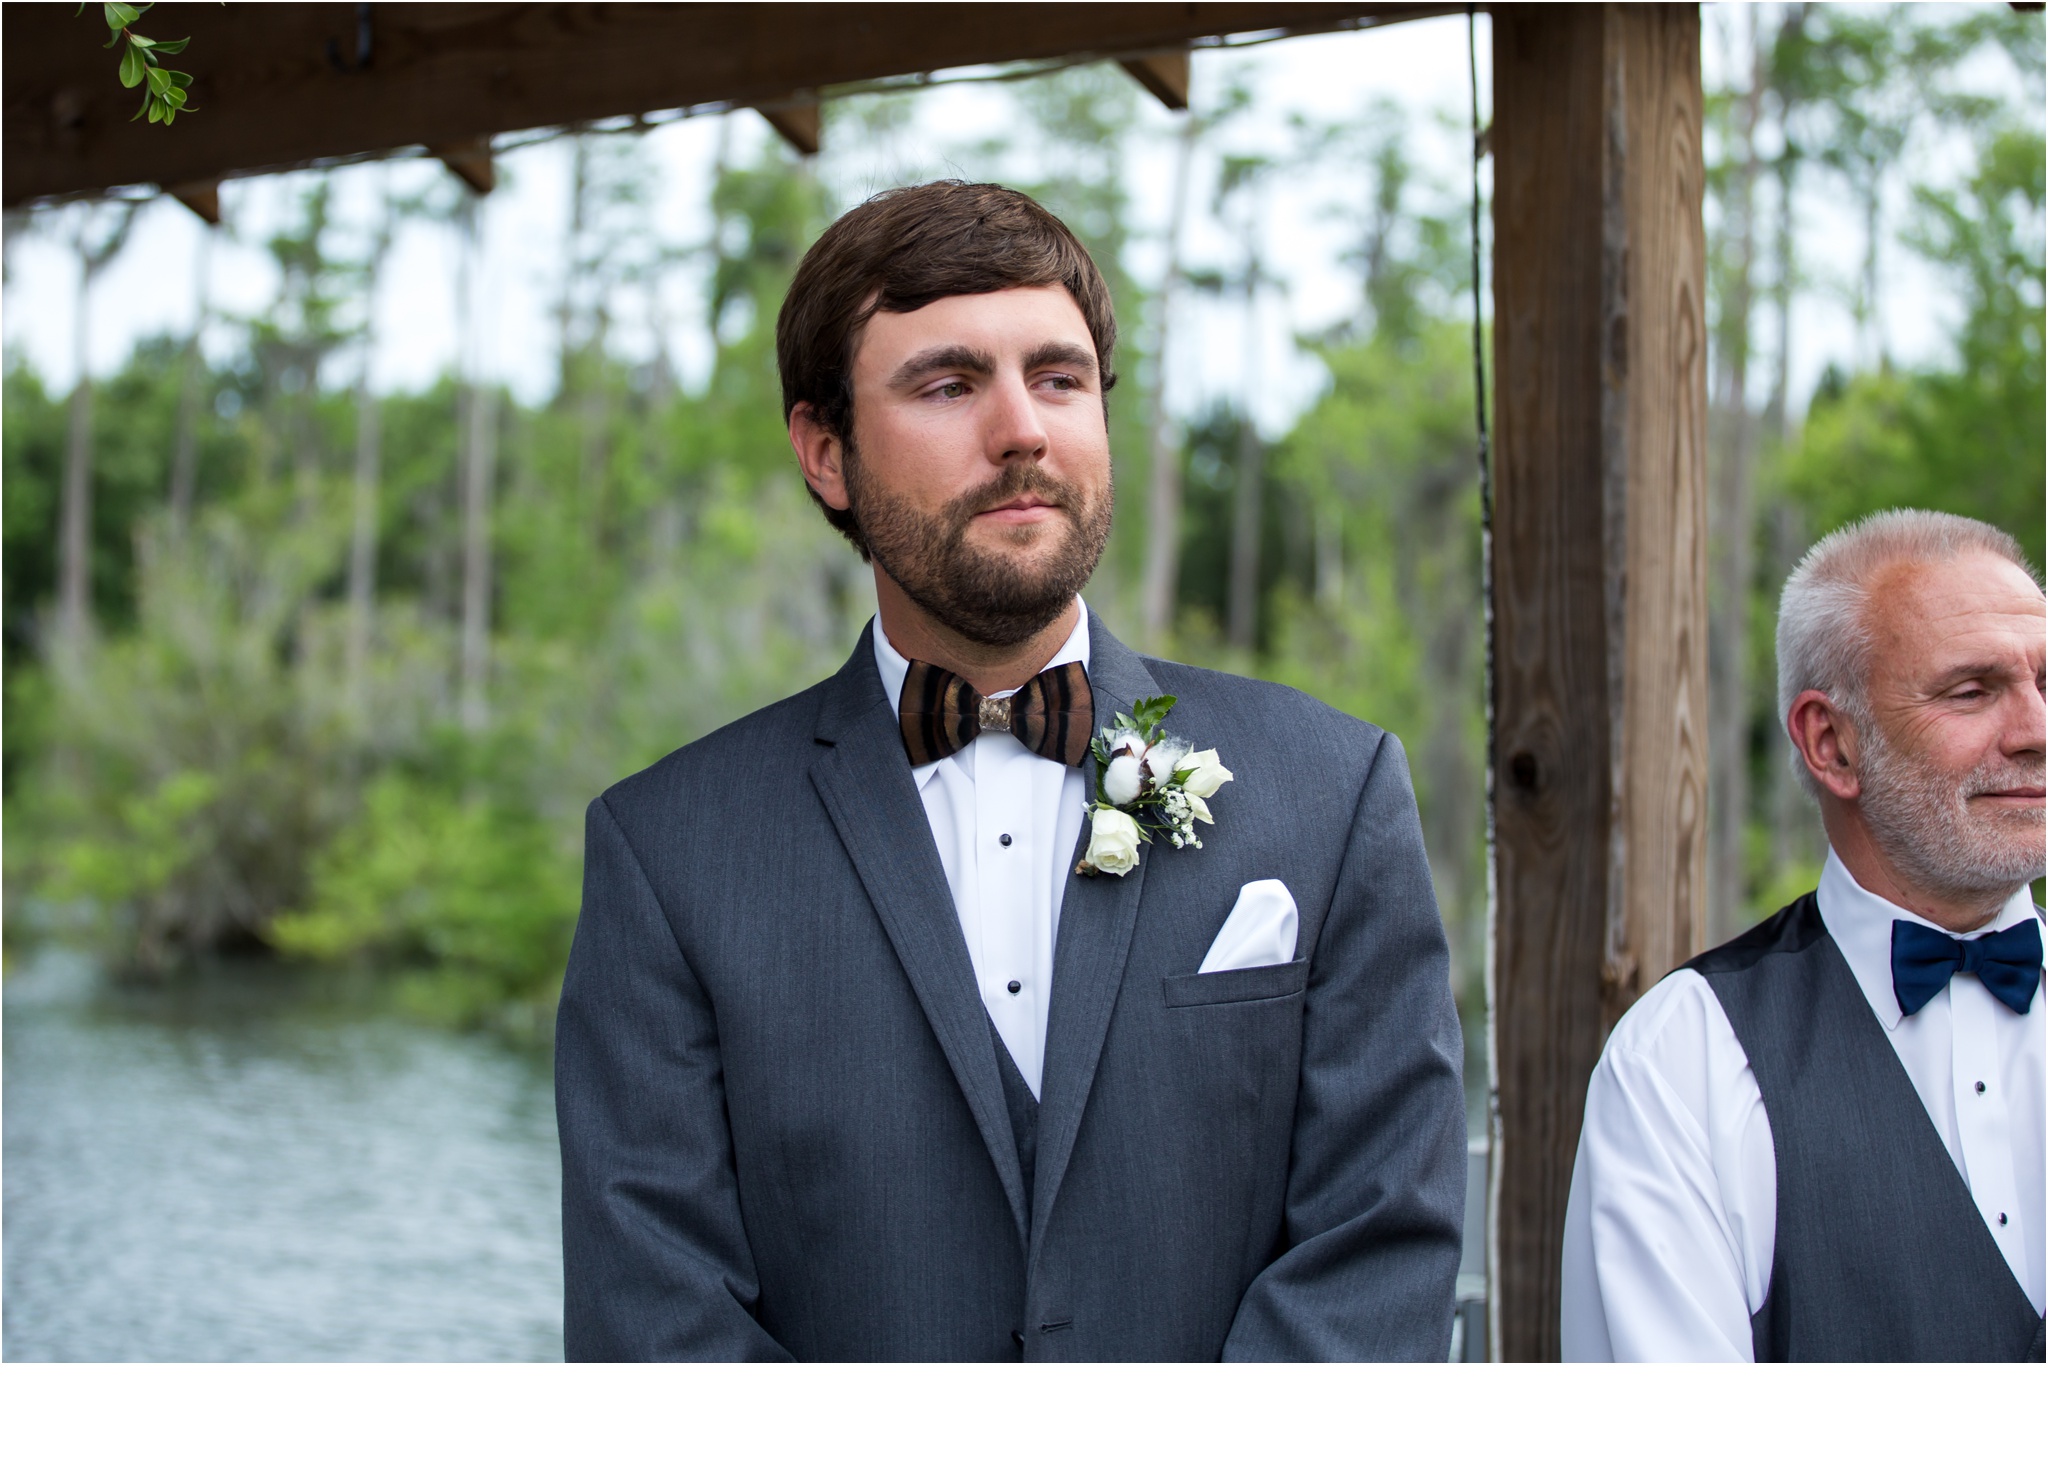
1053	714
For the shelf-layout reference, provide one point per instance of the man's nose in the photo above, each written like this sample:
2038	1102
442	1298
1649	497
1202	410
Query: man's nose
1015	431
2026	721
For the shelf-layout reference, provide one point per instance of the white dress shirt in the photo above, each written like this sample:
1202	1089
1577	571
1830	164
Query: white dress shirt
1672	1218
1007	823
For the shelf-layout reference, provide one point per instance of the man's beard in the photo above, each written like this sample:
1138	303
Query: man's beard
985	597
1924	822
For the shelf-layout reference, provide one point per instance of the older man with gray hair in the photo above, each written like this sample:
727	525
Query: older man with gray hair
1824	1140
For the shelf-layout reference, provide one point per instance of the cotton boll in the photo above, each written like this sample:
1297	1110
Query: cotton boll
1126	742
1123	779
1164	758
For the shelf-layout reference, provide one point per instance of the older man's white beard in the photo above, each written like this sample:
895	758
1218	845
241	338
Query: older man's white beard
1927	828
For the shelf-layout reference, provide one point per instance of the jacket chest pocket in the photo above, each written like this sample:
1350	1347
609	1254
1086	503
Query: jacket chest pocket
1246	984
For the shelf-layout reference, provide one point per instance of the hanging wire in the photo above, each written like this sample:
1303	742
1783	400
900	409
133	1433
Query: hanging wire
1485	446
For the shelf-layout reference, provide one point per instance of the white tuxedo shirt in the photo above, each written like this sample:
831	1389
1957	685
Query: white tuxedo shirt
1672	1217
1006	822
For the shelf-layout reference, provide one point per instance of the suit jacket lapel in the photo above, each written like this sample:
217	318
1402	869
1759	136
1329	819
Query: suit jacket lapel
868	791
1097	915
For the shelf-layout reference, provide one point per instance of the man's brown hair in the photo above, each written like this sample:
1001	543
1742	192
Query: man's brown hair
900	251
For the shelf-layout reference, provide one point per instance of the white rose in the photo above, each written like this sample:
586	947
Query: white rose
1113	841
1198	806
1206	774
1122	780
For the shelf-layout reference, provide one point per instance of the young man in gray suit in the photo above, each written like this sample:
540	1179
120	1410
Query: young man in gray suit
910	1019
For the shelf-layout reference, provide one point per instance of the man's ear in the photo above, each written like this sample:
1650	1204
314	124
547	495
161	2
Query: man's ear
1826	740
819	454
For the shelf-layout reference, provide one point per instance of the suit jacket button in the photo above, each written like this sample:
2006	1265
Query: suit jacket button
1017	1338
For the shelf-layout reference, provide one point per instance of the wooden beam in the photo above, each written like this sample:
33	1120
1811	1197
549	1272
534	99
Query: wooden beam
202	198
800	123
1599	582
280	86
1165	75
473	162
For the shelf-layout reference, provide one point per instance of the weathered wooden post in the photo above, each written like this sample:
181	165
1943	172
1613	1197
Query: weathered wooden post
1599	582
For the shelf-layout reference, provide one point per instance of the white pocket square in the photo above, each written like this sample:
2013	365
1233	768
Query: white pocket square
1260	931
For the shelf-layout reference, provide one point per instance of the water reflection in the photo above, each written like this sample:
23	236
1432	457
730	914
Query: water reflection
251	1168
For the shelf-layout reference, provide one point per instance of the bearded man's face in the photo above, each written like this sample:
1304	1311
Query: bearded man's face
1951	742
979	469
994	583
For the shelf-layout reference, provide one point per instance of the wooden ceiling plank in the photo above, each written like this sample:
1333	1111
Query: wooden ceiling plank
278	86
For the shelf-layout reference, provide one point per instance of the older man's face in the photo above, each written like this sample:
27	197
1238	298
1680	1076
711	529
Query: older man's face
1952	783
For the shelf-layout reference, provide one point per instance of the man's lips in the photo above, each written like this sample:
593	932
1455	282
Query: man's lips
1027	509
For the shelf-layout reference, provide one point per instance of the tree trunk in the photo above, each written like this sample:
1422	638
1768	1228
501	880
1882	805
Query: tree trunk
1732	531
74	566
74	532
1793	824
1246	518
1247	511
184	484
367	515
1162	527
362	550
479	466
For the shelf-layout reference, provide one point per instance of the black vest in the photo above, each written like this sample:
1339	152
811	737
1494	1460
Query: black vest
1023	1107
1881	1254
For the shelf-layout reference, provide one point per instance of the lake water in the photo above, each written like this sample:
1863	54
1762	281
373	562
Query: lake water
246	1168
252	1166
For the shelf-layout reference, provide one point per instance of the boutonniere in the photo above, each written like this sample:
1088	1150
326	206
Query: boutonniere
1146	784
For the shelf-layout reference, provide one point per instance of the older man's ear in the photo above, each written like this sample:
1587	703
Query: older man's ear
1826	740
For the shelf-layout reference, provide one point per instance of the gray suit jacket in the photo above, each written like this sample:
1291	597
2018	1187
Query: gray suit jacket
784	1131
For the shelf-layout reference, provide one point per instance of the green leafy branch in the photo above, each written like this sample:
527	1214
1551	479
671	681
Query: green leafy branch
1146	715
163	96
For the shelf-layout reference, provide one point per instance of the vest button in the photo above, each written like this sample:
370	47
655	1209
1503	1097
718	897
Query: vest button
1980	1085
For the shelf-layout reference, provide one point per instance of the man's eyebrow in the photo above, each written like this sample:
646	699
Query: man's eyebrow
1060	353
942	358
1981	671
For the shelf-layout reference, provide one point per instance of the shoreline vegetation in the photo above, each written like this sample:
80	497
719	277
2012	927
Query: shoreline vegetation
325	677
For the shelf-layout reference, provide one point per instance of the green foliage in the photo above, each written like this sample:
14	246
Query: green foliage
1145	715
1971	439
1384	621
430	873
202	777
163	90
186	774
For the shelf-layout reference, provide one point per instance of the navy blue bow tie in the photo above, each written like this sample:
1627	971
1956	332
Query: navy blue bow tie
2007	962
